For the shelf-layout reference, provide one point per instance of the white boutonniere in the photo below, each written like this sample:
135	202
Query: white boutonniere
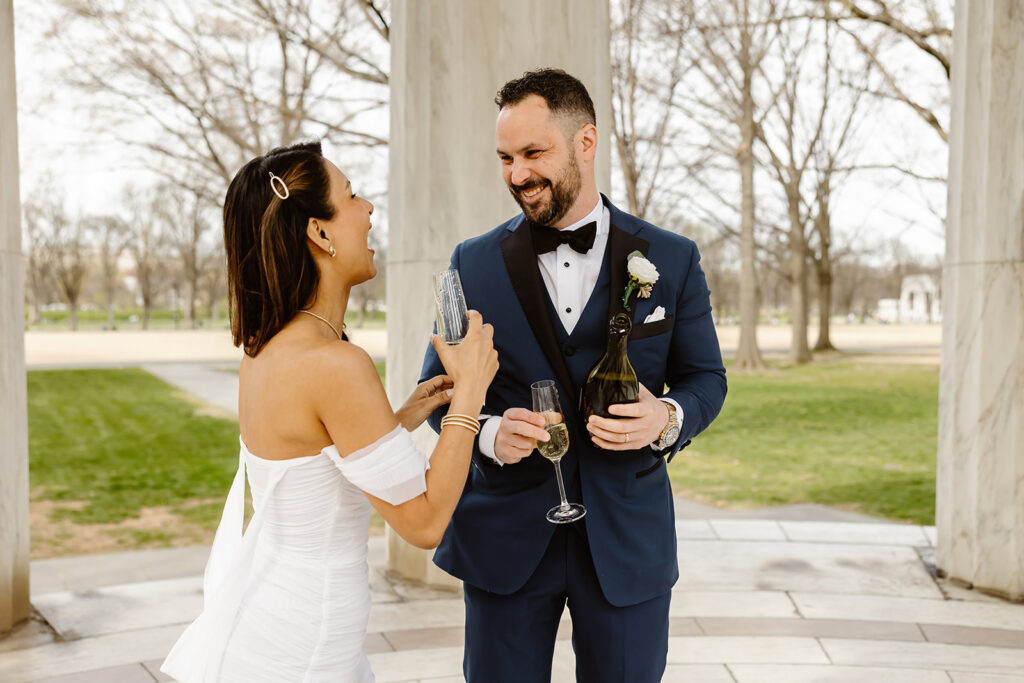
642	276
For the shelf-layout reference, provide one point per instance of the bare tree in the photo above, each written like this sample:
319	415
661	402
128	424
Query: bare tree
649	63
185	217
111	235
200	88
63	244
147	244
37	274
837	147
792	134
213	278
924	26
727	101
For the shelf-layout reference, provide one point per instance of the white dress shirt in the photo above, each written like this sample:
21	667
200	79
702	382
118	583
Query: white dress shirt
570	278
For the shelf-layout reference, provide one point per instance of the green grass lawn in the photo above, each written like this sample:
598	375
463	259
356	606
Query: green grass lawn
845	433
105	445
119	459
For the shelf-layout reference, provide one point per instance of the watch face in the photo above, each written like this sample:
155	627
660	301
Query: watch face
672	434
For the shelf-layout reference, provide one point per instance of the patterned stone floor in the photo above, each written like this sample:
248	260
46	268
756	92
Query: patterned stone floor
758	601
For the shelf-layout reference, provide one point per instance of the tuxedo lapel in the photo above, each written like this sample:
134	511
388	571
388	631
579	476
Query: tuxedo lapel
521	262
622	244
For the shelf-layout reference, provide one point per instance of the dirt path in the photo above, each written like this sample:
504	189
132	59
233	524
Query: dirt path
84	349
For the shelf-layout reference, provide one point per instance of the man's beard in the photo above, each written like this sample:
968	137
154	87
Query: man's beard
564	191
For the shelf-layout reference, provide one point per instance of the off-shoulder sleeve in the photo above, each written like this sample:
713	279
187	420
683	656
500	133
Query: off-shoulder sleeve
392	468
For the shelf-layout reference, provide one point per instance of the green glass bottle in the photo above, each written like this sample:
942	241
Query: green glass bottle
612	380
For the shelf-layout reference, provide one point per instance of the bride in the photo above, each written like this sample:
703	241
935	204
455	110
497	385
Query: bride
289	600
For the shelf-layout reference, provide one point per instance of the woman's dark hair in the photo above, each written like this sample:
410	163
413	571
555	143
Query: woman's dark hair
271	272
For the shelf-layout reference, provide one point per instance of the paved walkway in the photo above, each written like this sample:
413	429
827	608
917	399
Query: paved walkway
790	595
757	601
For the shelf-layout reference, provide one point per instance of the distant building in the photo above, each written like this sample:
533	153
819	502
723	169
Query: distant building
919	302
920	299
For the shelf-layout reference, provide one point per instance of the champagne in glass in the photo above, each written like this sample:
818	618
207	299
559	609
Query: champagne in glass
450	306
545	402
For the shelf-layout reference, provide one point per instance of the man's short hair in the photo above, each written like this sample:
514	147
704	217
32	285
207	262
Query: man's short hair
565	95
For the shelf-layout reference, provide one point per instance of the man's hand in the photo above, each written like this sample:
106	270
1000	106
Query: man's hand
426	398
518	434
639	424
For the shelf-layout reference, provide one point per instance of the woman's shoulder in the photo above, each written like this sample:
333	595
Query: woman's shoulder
312	363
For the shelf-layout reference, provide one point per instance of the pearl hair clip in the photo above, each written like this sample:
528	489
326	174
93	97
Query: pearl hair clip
283	193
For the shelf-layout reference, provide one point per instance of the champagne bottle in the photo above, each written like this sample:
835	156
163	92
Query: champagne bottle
612	380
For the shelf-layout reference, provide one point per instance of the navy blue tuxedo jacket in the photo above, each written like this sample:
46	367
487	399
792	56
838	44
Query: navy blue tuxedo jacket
499	533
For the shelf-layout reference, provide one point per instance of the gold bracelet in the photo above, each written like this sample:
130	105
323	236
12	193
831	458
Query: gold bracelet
465	421
461	421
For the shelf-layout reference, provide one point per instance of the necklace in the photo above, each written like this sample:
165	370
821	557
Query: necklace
320	317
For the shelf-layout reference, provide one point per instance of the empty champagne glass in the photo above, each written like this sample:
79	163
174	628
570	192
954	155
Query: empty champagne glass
545	402
450	306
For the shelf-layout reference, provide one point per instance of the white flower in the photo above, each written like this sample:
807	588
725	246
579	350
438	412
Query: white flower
643	270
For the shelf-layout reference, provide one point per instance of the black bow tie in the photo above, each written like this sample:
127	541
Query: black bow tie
547	239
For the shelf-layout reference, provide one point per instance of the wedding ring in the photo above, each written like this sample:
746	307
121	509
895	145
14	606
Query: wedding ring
627	438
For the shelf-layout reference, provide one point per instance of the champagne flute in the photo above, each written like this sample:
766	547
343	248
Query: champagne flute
545	402
450	306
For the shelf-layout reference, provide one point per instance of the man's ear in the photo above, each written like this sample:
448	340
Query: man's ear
586	141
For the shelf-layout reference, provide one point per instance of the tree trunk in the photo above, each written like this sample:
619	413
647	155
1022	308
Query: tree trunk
111	325
748	355
361	320
823	226
74	315
824	342
799	351
145	314
190	304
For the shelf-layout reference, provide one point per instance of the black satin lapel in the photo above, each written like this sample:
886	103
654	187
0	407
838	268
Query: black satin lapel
622	245
521	262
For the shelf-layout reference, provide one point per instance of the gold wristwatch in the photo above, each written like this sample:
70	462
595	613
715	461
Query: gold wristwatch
670	434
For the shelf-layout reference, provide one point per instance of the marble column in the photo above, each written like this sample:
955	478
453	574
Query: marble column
980	497
448	60
14	551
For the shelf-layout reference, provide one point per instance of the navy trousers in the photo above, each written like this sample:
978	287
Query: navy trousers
511	638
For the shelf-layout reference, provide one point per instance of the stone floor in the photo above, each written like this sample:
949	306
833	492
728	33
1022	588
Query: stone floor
757	601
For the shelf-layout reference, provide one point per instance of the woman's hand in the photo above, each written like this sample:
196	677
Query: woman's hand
425	399
471	364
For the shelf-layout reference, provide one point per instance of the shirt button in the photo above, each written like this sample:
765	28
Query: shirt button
566	264
568	310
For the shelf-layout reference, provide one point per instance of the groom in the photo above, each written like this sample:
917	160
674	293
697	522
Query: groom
548	280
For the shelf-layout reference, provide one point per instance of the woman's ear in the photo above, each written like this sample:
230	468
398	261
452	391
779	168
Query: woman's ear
317	235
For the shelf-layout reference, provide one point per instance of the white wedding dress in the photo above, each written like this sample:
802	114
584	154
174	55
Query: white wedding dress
289	600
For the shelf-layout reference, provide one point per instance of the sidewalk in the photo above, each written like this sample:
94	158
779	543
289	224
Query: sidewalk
757	601
790	595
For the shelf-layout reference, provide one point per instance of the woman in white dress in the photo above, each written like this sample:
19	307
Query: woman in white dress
289	599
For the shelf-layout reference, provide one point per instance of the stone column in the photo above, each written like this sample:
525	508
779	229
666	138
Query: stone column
14	551
448	60
980	497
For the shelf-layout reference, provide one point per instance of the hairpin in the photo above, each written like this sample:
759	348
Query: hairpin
283	192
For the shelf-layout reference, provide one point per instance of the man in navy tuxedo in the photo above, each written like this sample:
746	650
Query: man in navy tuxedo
549	280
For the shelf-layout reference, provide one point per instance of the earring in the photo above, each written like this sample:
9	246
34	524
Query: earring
330	250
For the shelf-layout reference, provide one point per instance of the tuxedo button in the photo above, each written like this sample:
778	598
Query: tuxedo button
569	350
568	309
